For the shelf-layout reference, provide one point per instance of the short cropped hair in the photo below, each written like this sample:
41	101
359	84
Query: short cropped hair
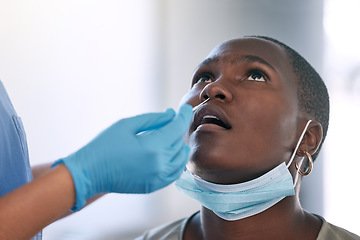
312	93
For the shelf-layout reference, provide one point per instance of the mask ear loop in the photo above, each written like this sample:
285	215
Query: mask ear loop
296	148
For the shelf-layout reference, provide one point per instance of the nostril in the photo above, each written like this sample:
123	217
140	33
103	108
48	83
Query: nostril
221	96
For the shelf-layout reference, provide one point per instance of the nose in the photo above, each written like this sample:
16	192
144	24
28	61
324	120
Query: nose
216	90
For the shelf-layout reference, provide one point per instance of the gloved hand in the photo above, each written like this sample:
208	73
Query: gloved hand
140	154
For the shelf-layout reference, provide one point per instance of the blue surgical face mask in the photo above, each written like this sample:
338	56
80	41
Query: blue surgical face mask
237	201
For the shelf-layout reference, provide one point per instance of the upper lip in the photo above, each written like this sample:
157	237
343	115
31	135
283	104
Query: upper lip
215	113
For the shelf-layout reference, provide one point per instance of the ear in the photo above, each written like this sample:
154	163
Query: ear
312	138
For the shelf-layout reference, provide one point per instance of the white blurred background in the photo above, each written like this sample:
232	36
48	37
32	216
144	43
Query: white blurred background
74	67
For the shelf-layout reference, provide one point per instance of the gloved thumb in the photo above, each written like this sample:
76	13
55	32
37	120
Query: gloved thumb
149	121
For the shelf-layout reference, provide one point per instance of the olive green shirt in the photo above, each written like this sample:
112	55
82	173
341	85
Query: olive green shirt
175	231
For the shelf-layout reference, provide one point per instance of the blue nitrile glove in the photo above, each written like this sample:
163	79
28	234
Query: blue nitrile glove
135	155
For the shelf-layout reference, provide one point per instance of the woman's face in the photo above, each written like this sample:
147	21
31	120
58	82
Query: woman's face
250	123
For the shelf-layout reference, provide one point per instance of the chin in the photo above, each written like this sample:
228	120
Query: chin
219	165
210	152
206	161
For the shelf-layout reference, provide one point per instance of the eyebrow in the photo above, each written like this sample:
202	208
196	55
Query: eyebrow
243	58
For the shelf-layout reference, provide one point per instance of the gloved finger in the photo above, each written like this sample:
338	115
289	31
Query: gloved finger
172	151
173	171
177	145
149	121
170	132
179	162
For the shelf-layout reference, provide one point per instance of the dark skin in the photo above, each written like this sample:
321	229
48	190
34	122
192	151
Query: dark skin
253	93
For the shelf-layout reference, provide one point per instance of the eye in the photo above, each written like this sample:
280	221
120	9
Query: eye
204	79
256	76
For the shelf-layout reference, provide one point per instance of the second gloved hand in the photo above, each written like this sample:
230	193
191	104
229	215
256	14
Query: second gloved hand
135	155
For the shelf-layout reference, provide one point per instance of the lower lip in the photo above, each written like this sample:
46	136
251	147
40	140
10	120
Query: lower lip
209	127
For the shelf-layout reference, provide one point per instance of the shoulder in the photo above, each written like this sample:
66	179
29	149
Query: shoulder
330	231
170	231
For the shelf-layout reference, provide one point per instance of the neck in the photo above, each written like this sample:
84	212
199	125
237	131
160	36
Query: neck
285	220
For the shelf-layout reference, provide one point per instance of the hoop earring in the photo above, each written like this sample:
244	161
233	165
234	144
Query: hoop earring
310	165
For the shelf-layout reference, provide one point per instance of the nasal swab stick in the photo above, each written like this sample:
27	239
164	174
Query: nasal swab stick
196	107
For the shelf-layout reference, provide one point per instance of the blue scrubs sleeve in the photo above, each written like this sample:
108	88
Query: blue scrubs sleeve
15	168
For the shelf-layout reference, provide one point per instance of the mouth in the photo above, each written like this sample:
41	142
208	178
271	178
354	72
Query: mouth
211	115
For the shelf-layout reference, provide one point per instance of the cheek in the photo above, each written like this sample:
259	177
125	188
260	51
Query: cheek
270	121
191	97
